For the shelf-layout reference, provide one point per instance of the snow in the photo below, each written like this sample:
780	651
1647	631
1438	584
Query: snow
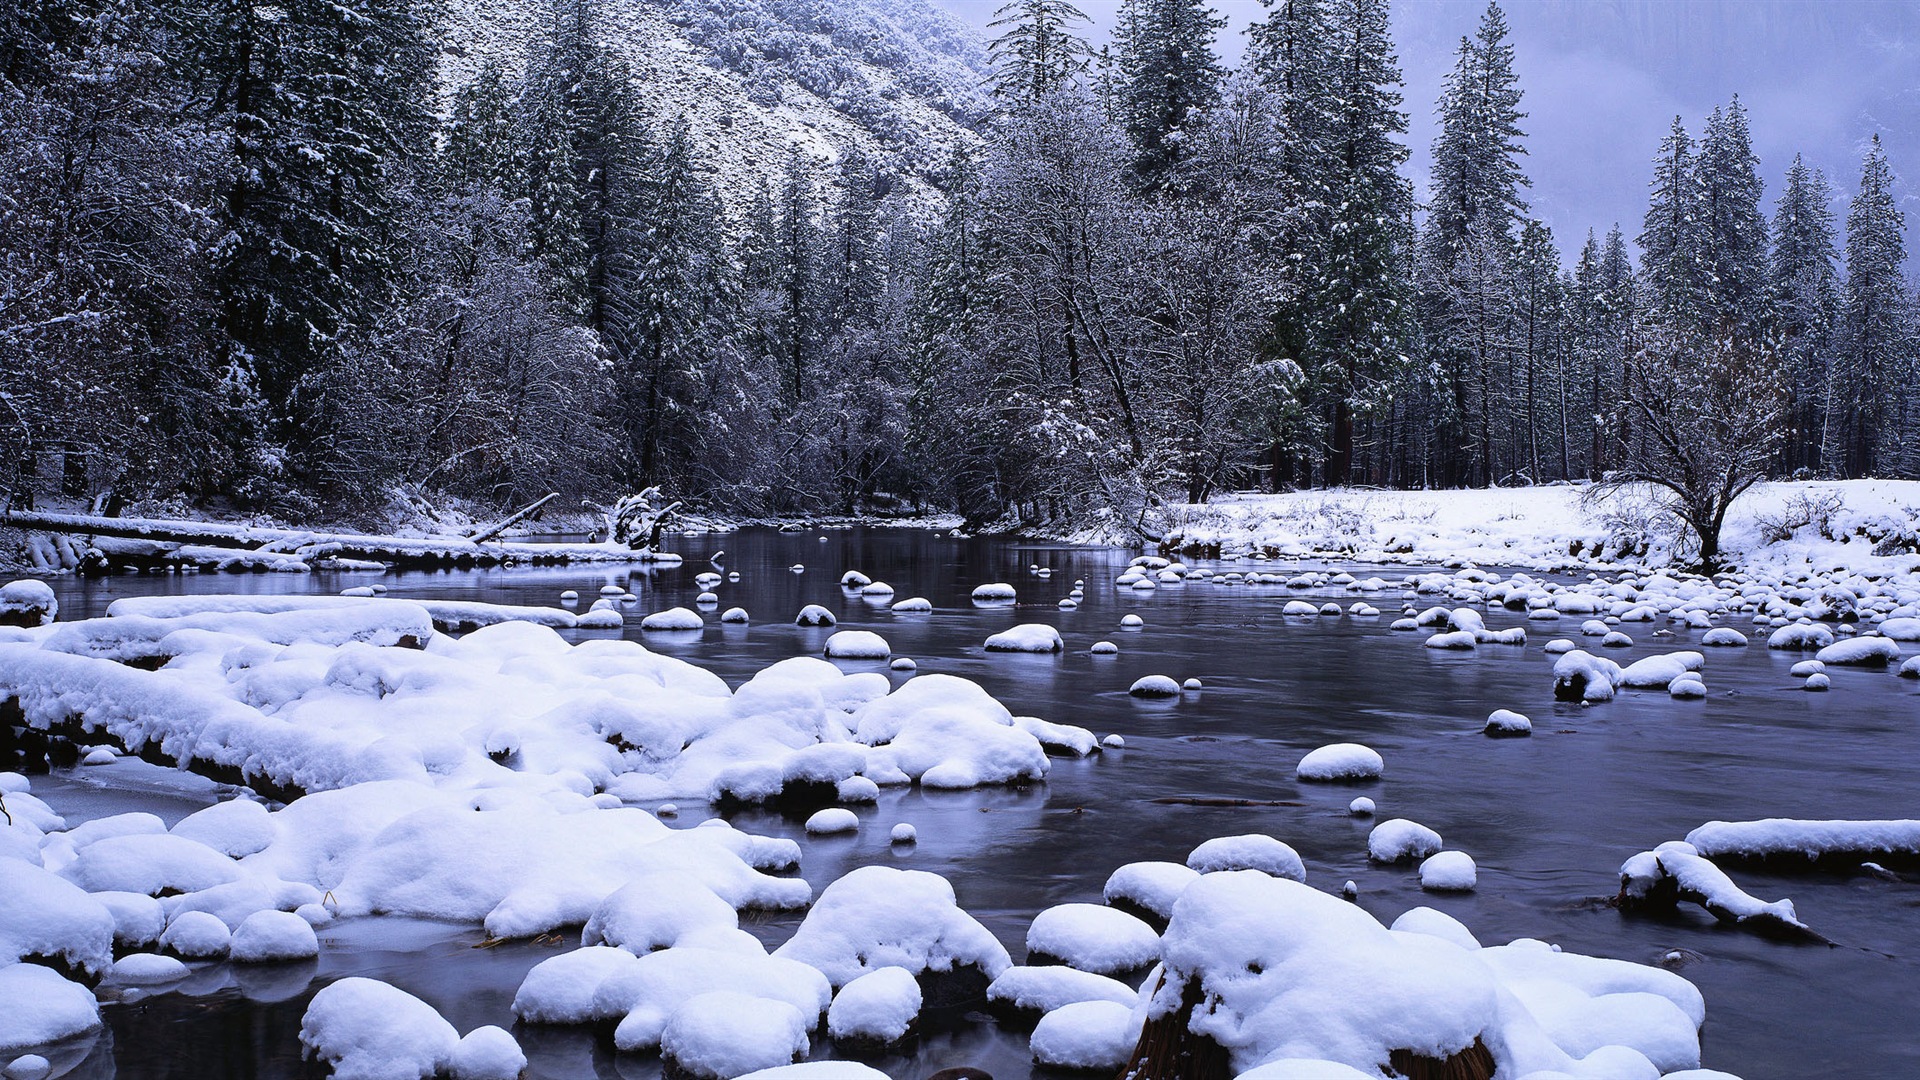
1340	762
1149	886
1448	871
43	916
1398	839
1659	671
1580	676
725	1033
649	994
818	1070
904	833
1505	722
815	615
1104	648
678	618
1360	807
877	1008
1860	652
832	821
912	605
1154	686
877	916
1026	637
368	1030
1092	938
1250	852
1724	637
998	592
857	645
42	1007
1810	839
488	1053
1035	991
27	602
1085	1035
197	935
146	969
272	936
657	912
1425	920
734	616
235	828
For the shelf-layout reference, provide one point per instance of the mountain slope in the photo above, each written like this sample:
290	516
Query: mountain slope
902	79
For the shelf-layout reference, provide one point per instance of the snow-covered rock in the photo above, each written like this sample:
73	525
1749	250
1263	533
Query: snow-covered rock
1092	938
727	1033
857	645
1448	871
1085	1035
877	916
273	936
1026	637
998	592
368	1030
875	1010
1505	723
1860	652
1398	840
42	1007
1154	686
1340	762
27	603
1253	851
815	615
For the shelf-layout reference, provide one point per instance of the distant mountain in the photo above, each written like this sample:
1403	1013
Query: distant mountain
903	79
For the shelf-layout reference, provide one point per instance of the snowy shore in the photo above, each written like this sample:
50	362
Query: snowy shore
1862	525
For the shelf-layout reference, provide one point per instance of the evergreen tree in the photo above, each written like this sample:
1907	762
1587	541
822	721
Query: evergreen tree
1466	247
1730	227
1671	243
323	110
1804	297
1170	79
1039	51
1874	353
794	261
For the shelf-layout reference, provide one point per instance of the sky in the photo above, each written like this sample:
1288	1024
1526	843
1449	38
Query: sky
1603	80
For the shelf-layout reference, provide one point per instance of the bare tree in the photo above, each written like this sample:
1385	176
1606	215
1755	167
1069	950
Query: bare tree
1708	416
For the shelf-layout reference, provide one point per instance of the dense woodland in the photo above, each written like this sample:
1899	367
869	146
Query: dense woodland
251	257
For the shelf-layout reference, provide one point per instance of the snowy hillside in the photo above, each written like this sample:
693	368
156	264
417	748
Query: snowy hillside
900	78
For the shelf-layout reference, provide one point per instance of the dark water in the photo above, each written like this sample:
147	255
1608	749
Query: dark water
1548	819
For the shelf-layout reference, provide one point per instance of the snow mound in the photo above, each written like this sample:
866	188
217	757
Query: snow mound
1580	676
725	1033
998	592
912	605
1340	762
368	1030
1659	671
1026	637
488	1053
678	618
1448	871
875	1010
42	1007
1154	686
1091	938
1021	995
814	615
1724	637
1148	889
1792	838
877	916
1250	852
657	912
1398	839
857	645
273	936
1505	723
1086	1035
27	603
197	935
1860	652
235	828
832	821
47	918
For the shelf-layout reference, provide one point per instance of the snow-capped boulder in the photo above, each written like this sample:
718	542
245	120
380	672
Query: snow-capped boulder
1340	763
367	1030
857	645
1253	851
1026	637
1092	938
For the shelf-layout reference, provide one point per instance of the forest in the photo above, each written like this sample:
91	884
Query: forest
256	258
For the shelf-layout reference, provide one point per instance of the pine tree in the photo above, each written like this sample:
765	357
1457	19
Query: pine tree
1804	296
795	258
1731	229
1671	242
1874	354
1361	298
1170	79
323	109
1466	246
1039	52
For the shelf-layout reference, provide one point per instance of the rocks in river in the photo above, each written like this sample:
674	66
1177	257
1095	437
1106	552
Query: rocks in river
912	605
729	1033
1086	1036
1022	995
831	821
672	619
814	615
1401	840
1507	724
365	1028
1092	938
1340	763
874	1013
997	592
1026	637
1154	686
857	645
1448	871
1253	851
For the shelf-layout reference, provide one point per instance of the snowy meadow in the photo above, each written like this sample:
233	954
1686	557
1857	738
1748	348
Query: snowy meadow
1036	809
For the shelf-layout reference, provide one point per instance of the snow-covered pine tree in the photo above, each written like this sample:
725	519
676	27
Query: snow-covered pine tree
1040	50
1874	355
1170	78
1671	240
1804	294
795	261
1466	246
1731	228
1362	297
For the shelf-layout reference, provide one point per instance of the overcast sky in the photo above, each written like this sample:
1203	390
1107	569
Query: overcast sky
1603	80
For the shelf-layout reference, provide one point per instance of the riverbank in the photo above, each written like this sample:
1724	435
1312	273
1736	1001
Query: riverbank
1777	528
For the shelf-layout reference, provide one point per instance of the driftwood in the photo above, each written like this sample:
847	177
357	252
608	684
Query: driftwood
513	519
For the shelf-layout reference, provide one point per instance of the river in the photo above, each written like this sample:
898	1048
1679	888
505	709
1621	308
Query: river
1548	819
